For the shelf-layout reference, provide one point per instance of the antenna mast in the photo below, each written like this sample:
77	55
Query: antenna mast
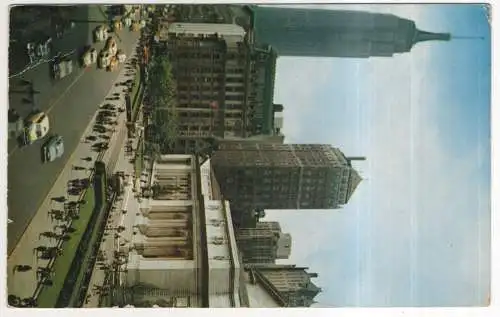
468	37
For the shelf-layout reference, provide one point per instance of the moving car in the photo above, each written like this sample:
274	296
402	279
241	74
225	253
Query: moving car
89	57
62	67
111	46
104	59
36	127
53	148
100	33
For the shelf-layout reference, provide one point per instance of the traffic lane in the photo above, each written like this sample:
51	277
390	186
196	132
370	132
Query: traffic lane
50	91
29	180
78	38
79	35
48	88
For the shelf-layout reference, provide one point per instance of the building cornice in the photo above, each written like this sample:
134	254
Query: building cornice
272	291
204	269
233	252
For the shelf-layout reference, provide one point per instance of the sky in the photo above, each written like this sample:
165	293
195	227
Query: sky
417	230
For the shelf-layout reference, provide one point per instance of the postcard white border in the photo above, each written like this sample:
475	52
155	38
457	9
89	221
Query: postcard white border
493	310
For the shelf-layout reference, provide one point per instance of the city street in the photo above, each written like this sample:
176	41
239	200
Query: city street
70	104
24	284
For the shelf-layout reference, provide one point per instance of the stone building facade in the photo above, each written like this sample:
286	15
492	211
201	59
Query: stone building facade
178	248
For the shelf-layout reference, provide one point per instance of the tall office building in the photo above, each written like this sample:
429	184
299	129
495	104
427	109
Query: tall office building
293	284
201	13
336	33
225	84
211	13
263	244
284	176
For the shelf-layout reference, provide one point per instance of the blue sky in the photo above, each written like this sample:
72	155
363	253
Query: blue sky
416	232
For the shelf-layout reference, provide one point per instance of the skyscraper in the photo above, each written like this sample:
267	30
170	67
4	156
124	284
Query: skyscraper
284	176
263	244
225	84
292	283
336	33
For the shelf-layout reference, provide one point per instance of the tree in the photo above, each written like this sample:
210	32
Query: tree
208	147
162	93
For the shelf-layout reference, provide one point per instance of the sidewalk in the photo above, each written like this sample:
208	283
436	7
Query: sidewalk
109	243
24	284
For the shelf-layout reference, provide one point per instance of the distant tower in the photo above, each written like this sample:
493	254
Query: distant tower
336	33
293	283
284	176
263	244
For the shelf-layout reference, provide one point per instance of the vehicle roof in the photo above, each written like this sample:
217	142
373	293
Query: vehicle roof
37	117
54	139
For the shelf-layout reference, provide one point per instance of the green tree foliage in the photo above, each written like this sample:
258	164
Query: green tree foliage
162	95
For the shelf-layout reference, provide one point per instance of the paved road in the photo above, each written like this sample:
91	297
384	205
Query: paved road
24	284
30	23
70	105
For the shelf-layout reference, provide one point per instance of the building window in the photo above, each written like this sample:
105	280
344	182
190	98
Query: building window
233	106
234	97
